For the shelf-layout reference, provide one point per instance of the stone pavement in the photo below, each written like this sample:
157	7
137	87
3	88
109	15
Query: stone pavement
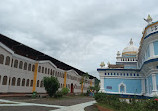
17	106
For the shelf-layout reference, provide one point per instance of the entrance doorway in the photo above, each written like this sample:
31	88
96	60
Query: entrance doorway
72	88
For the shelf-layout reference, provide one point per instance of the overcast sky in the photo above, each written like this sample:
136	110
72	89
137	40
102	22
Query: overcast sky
81	33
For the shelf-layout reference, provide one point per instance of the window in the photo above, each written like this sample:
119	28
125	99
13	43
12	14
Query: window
134	75
1	58
20	65
29	67
42	69
41	85
12	63
16	63
7	61
38	83
33	68
105	73
31	83
45	70
23	82
51	72
155	47
4	82
13	81
48	71
25	66
39	69
0	78
18	82
122	88
27	82
9	80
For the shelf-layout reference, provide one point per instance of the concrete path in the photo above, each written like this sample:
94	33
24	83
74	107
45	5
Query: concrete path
77	107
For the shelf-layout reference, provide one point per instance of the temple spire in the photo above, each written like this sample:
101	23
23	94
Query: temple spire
131	42
149	19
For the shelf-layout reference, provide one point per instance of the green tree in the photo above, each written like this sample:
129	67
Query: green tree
51	85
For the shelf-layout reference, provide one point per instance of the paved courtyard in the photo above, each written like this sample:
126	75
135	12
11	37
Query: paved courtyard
45	104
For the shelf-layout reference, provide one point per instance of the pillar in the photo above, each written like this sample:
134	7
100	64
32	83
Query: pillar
143	86
35	77
154	83
65	76
102	84
91	82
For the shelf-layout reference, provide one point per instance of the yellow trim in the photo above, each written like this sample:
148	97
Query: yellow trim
65	75
91	83
133	52
35	77
148	27
82	88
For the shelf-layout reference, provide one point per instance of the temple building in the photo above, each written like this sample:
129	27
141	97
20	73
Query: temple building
22	70
136	69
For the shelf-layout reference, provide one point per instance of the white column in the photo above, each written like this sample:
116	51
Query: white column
102	84
143	85
154	83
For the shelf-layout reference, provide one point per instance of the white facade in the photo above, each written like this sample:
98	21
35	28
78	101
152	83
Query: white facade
17	74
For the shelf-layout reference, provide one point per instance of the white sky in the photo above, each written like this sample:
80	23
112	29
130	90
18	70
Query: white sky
81	33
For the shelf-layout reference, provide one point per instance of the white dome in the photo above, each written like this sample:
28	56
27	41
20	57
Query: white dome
131	49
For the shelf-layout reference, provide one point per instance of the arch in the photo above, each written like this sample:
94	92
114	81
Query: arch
23	82
48	70
9	80
25	66
18	81
72	88
4	82
12	63
41	85
33	68
29	67
20	64
13	81
27	82
42	69
31	83
38	83
51	73
1	58
122	88
15	63
45	70
39	69
7	61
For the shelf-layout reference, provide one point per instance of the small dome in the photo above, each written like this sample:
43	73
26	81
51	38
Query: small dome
130	50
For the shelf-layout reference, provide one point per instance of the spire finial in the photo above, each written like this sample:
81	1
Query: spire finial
131	42
149	19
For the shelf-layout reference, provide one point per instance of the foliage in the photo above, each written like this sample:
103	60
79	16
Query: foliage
65	91
84	78
114	101
51	85
34	94
58	94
